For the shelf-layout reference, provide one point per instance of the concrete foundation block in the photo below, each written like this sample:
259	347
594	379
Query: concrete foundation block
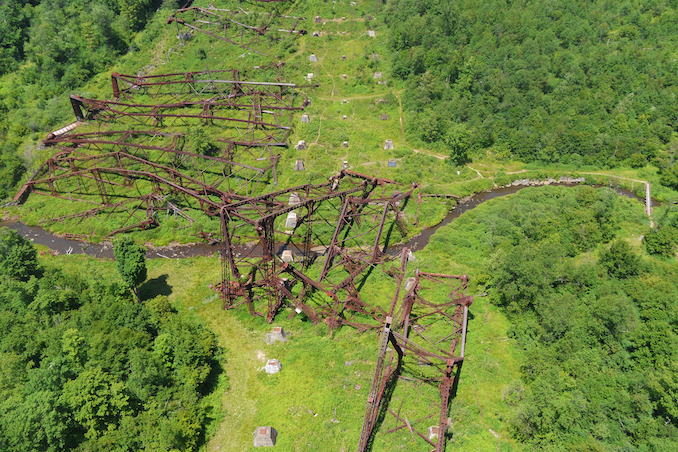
273	366
287	256
294	199
409	283
278	335
291	221
265	437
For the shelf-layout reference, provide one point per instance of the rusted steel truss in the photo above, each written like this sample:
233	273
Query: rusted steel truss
249	30
254	117
219	171
128	178
119	181
255	124
141	213
159	152
344	224
227	84
427	335
340	224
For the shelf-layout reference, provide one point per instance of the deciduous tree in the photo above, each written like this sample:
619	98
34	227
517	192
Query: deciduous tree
131	260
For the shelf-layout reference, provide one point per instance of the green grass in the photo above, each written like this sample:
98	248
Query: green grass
301	400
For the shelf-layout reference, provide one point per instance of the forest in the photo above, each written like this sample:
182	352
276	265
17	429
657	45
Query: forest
588	83
596	319
47	48
85	367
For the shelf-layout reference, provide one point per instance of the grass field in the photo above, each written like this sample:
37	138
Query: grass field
318	400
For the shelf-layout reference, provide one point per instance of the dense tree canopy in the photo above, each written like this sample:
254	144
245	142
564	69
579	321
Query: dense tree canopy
82	367
18	259
48	48
597	323
557	81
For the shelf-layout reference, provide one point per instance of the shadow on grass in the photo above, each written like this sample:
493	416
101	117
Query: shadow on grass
154	287
383	406
210	385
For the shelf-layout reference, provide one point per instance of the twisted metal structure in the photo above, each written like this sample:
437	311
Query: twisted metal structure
340	223
251	31
127	175
434	353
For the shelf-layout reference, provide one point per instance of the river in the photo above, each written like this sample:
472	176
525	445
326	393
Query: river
61	245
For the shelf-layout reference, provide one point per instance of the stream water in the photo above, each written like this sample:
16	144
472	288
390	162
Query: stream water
61	245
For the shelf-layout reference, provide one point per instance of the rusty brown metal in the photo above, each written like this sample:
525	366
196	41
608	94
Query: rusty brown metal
254	117
256	36
415	311
351	205
343	225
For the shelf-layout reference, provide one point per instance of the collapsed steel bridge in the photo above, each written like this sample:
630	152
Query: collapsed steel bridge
128	176
238	27
428	336
339	224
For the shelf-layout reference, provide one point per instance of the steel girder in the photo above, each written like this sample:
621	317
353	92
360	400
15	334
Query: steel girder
238	178
246	32
340	223
108	179
431	332
249	125
202	85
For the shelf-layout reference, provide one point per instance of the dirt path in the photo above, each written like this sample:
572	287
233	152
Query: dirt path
320	124
334	85
612	175
431	153
480	176
402	123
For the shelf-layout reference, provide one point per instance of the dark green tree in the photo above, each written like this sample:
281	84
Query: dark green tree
131	260
619	260
457	138
18	259
97	399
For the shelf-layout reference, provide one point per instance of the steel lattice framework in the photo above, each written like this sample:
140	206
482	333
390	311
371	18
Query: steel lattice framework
340	223
203	85
253	117
252	125
129	174
247	29
428	338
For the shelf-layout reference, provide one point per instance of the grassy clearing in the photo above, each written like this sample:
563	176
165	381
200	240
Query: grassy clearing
301	400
